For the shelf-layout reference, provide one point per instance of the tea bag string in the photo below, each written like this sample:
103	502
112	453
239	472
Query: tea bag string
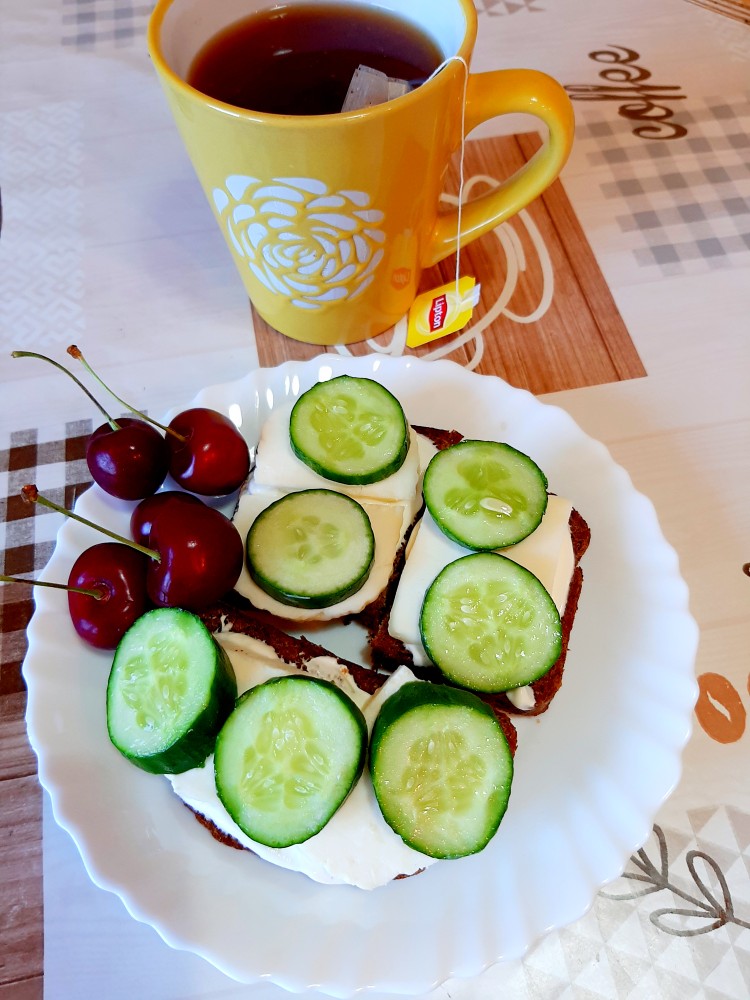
459	212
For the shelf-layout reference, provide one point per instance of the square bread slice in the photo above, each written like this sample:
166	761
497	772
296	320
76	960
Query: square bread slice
389	652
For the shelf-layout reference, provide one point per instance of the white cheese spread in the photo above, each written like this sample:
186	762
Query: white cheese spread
546	552
389	523
278	468
356	847
391	504
522	698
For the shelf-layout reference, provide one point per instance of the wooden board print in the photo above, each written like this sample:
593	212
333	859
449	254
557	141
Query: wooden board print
546	320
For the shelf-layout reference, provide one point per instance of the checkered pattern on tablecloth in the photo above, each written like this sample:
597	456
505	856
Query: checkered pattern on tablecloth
499	8
683	204
54	459
89	24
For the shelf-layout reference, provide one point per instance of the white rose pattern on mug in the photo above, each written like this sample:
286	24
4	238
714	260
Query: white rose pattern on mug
300	240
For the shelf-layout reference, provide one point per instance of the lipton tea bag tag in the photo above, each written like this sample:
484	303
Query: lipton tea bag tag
441	311
447	309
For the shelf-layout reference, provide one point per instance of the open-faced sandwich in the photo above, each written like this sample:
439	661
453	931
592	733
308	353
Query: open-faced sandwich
315	764
458	606
336	484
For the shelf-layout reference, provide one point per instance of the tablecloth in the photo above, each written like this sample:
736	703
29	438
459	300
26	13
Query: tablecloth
108	242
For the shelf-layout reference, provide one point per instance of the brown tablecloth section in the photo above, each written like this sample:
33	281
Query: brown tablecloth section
26	551
581	338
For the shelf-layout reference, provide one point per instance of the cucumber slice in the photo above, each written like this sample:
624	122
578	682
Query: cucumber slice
441	768
349	430
287	758
311	549
170	690
484	494
488	624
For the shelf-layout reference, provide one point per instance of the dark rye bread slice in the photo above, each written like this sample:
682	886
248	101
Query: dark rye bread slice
389	653
228	616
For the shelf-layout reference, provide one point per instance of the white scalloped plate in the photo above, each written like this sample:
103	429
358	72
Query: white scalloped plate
590	774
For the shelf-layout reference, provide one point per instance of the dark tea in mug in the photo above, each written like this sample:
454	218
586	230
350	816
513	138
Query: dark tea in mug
299	60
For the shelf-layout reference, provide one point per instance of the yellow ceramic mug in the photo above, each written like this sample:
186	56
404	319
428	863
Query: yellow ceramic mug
331	218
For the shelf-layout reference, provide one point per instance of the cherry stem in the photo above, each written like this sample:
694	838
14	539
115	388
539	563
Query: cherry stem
42	357
76	353
32	495
98	594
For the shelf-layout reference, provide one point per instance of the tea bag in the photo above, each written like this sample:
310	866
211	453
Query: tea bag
371	86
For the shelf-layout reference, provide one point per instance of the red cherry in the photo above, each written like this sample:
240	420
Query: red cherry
201	556
129	462
118	574
210	456
194	552
128	458
142	518
106	592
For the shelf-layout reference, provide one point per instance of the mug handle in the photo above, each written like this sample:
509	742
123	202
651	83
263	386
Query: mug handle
502	92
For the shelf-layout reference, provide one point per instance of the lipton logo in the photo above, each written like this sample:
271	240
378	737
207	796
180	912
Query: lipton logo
400	277
438	312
